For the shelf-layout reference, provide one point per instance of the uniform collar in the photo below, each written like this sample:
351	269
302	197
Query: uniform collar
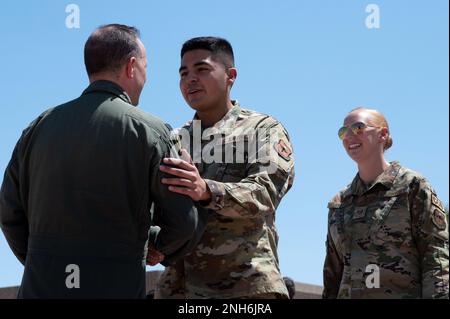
108	87
226	121
387	178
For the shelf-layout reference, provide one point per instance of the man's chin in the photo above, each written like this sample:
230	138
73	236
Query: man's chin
197	106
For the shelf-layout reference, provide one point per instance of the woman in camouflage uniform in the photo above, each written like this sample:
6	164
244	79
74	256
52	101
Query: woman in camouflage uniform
387	231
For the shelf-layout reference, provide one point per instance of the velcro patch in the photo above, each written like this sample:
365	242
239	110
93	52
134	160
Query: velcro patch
439	220
283	150
436	202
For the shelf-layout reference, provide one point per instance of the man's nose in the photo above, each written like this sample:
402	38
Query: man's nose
191	78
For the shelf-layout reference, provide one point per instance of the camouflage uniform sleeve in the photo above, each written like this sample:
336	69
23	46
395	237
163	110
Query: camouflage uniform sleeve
333	266
267	180
430	230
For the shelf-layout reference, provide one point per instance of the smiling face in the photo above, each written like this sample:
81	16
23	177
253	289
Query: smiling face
204	82
369	142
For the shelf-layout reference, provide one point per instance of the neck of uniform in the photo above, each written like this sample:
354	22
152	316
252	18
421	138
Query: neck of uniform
214	115
372	168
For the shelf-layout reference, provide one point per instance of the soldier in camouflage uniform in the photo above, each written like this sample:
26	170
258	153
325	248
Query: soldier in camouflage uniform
387	231
237	255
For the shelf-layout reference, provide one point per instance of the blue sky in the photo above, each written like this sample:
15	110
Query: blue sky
307	63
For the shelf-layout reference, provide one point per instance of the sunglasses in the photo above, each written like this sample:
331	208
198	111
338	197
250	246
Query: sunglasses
357	128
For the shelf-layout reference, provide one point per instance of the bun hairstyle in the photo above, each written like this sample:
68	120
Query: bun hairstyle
388	143
377	119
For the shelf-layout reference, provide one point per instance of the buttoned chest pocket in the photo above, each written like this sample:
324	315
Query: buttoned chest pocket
392	222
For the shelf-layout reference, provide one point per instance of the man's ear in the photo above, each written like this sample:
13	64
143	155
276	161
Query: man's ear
130	66
384	134
232	75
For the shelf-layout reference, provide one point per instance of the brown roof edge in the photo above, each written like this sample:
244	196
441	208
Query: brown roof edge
303	291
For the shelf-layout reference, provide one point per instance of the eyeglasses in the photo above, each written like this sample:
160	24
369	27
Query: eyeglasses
357	128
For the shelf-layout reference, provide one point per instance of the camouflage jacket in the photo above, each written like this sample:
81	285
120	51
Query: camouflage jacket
387	240
237	255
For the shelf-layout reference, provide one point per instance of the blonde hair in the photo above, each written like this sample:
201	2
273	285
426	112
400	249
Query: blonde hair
377	119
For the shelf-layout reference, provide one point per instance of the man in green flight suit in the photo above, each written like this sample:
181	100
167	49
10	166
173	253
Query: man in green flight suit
76	196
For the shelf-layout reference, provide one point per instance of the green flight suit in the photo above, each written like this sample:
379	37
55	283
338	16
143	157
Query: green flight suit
78	191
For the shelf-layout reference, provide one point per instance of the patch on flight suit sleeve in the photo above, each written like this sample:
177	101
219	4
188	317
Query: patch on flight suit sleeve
283	150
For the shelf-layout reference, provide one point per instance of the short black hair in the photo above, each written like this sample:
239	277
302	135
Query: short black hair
108	47
219	47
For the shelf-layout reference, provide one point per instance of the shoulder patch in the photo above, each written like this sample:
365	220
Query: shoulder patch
438	218
283	150
436	202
